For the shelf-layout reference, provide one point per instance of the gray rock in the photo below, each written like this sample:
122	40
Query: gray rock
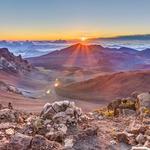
14	90
124	146
47	111
139	148
58	136
69	111
87	132
63	128
20	142
41	143
122	137
129	112
68	142
62	112
8	115
143	102
140	139
60	117
144	99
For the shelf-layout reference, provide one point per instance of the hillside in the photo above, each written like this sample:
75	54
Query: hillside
13	64
108	87
18	76
93	57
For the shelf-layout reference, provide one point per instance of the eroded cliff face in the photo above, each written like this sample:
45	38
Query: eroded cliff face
13	64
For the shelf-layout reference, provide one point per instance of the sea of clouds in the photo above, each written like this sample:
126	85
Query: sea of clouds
38	48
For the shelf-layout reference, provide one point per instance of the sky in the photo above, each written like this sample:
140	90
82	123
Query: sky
72	19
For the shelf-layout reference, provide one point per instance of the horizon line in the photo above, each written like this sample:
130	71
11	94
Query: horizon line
78	39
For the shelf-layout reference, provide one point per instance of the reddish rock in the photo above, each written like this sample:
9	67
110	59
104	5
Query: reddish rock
141	139
41	143
122	137
20	142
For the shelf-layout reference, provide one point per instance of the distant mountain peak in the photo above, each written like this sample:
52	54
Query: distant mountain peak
125	37
83	47
78	45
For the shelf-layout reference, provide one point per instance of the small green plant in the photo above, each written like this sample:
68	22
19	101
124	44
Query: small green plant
104	112
108	113
146	111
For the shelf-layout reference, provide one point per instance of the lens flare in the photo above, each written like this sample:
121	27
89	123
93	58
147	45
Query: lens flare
48	91
83	39
56	84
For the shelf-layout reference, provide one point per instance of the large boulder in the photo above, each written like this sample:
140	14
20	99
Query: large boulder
144	100
61	112
55	121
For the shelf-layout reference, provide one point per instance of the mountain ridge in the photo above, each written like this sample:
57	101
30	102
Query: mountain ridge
108	87
13	64
96	56
125	37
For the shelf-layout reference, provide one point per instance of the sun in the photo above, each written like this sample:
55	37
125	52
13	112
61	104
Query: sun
83	39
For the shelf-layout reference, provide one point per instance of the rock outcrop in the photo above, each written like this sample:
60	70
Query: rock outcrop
143	103
8	115
63	126
60	125
9	88
13	64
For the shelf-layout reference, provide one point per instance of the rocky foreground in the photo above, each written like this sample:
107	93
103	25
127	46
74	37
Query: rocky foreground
62	125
